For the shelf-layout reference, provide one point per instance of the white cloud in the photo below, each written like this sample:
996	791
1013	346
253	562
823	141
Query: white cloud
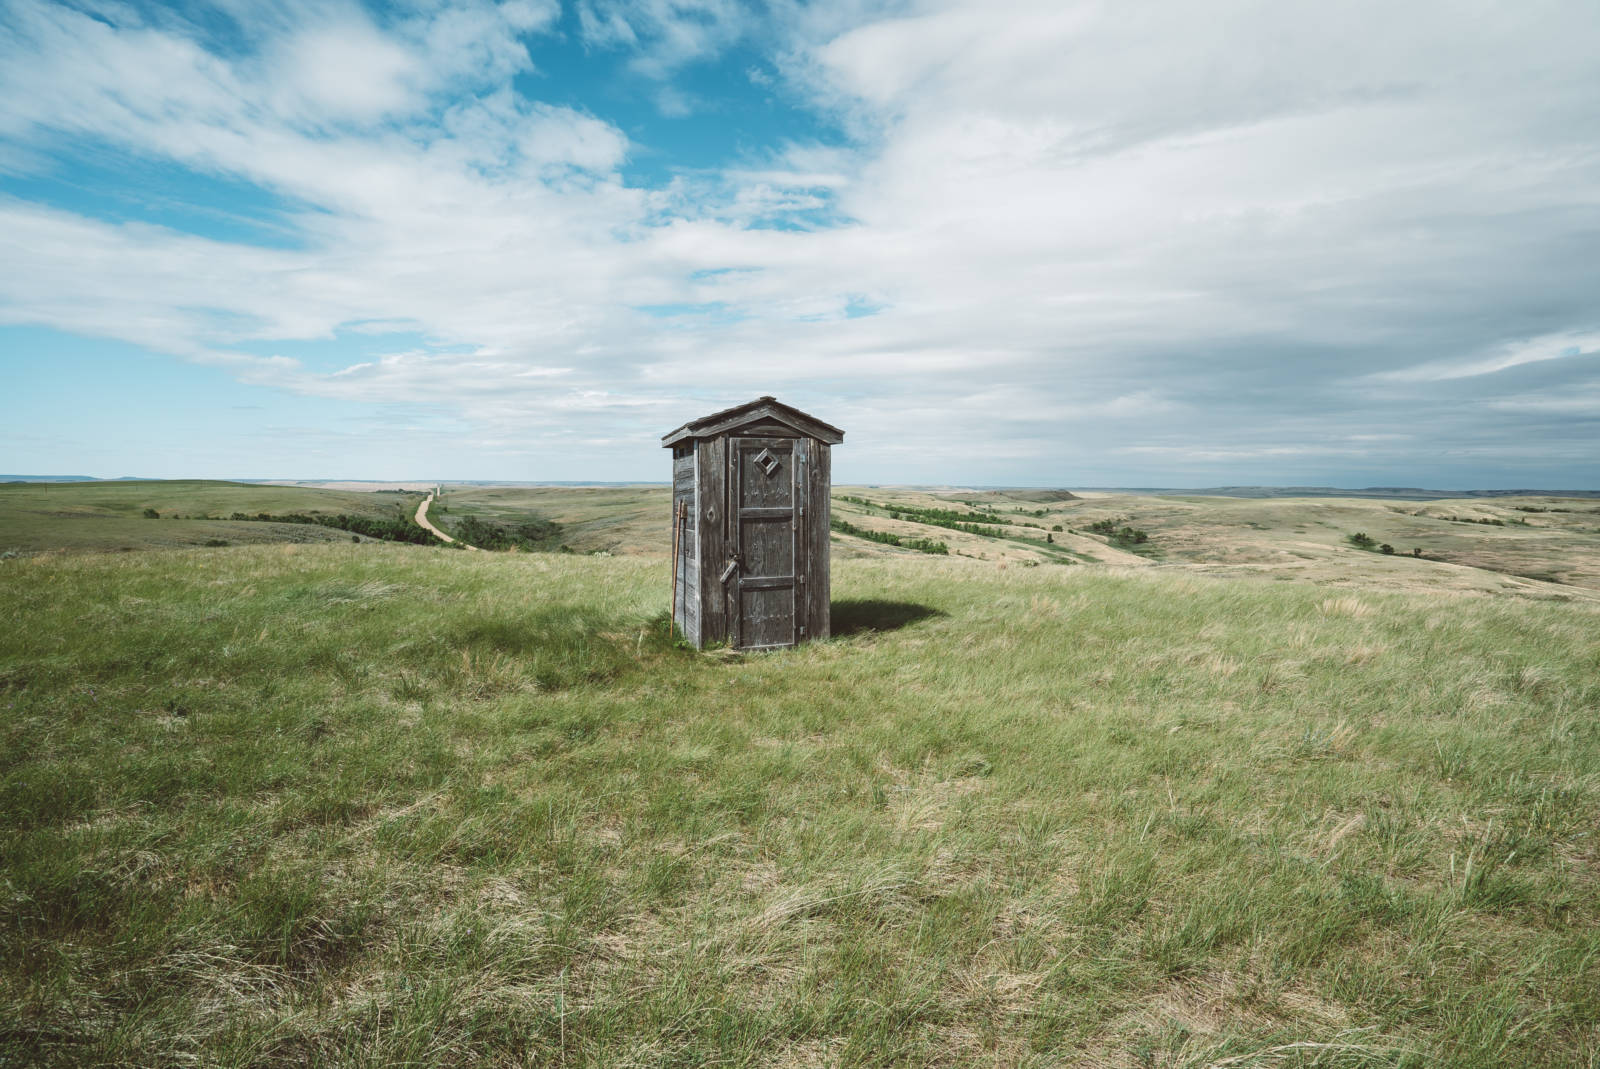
1196	234
1559	346
665	34
344	69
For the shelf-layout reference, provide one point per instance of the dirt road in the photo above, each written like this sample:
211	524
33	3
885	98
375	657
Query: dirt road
422	521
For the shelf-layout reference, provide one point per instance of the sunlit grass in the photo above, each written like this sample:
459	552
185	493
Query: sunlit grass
392	805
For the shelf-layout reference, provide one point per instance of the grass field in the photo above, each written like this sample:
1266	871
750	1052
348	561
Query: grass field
91	517
1533	547
1528	547
385	805
626	521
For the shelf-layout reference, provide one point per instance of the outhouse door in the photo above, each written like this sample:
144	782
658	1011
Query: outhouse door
768	525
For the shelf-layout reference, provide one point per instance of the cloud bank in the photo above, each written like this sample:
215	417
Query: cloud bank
1051	243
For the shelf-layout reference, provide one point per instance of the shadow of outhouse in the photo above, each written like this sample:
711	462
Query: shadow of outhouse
853	615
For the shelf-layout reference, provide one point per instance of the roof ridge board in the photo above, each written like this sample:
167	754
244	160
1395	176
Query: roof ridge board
768	405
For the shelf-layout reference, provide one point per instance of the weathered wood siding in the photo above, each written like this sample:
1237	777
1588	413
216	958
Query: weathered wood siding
754	558
711	476
816	612
767	497
686	595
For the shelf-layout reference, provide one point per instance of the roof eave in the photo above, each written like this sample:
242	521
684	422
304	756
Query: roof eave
761	408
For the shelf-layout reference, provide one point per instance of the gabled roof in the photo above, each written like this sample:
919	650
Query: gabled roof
762	408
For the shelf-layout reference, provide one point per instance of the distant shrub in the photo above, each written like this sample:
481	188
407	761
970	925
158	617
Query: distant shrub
1386	549
533	534
217	542
1416	551
151	514
355	538
1057	527
1362	540
1123	536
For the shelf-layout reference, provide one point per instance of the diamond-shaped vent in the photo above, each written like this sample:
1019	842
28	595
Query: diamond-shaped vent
767	462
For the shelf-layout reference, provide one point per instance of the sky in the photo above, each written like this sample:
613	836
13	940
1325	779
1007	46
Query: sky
1134	243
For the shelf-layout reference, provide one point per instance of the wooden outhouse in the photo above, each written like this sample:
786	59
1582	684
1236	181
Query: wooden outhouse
750	525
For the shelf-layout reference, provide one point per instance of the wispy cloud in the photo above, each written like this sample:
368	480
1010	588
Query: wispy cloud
664	35
1563	345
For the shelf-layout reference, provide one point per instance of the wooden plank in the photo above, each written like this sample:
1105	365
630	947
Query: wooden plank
691	563
766	614
768	493
818	558
685	543
770	428
732	421
802	522
711	528
770	487
767	582
736	613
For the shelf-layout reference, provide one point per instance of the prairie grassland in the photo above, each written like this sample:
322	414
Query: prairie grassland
1529	547
109	516
1532	547
378	805
621	520
1491	546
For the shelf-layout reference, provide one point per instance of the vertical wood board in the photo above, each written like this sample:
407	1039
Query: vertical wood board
686	591
711	463
819	517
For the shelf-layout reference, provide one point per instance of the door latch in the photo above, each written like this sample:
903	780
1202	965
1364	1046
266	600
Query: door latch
727	573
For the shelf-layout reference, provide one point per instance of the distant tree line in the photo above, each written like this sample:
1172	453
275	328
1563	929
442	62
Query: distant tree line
395	530
1488	521
950	519
921	545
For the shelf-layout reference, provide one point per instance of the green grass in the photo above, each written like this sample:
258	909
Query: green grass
620	520
111	516
384	805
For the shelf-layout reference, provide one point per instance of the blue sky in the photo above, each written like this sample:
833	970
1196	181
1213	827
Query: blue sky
1001	243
